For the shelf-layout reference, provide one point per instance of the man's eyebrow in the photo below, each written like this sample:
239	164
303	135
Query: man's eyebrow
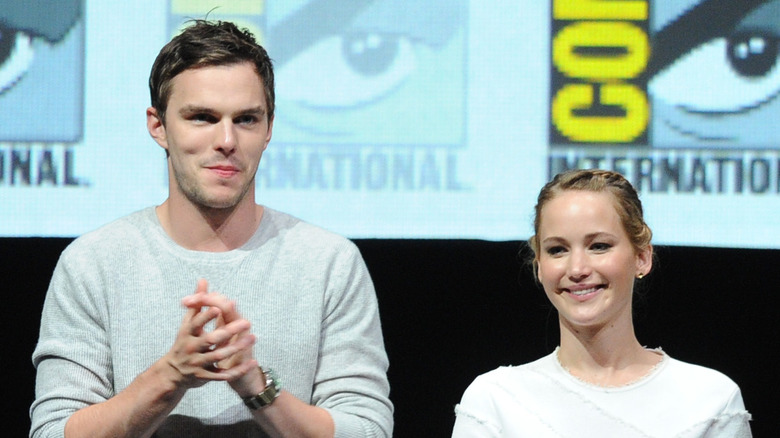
195	109
258	110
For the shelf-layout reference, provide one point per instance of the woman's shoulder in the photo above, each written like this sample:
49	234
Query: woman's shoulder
691	384
515	375
690	374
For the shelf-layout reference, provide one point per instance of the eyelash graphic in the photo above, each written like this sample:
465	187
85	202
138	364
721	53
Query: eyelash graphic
16	56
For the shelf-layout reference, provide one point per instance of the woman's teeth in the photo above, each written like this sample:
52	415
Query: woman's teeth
584	291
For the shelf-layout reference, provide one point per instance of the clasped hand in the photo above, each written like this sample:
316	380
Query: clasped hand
222	354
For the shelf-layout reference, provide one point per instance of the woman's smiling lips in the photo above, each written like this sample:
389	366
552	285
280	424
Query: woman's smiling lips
583	292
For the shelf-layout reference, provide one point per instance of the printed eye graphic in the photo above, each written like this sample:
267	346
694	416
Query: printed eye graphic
16	55
753	55
347	70
723	75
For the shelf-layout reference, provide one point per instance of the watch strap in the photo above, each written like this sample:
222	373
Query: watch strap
269	394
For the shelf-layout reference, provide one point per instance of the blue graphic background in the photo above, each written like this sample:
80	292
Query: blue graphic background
397	119
358	77
41	99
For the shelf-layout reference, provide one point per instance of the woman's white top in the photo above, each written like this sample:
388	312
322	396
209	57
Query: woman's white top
542	399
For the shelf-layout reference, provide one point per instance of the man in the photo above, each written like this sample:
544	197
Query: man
118	355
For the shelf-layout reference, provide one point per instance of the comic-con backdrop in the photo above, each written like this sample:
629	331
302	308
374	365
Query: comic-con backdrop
414	119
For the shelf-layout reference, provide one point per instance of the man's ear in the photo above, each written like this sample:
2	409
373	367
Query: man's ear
156	127
270	132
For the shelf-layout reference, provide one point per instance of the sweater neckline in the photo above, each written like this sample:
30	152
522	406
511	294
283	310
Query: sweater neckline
233	255
650	375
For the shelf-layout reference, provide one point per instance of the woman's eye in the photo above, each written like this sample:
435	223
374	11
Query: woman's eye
600	246
555	250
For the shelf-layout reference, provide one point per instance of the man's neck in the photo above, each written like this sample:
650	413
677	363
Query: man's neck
209	229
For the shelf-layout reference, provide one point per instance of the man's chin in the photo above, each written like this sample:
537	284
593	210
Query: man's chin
214	198
216	202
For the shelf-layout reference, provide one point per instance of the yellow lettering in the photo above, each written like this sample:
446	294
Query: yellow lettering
600	10
600	67
605	129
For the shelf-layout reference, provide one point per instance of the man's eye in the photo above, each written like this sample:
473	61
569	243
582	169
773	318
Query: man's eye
246	120
202	117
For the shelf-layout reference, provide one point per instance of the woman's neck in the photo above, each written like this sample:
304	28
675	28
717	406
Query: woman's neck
605	356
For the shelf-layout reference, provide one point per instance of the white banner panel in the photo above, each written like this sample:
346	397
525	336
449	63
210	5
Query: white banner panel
414	119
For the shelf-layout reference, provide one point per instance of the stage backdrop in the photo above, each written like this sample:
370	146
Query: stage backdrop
414	119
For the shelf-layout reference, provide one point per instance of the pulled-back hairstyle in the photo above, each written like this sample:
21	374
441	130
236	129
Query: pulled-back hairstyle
204	44
626	200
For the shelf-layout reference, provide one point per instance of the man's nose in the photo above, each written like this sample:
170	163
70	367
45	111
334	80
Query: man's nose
226	136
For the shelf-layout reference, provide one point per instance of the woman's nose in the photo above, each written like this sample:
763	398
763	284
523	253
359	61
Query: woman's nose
579	266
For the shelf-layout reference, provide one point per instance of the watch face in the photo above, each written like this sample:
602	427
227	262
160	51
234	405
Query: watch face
265	398
268	395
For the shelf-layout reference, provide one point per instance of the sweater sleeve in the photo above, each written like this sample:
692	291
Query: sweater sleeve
351	379
733	421
72	357
475	417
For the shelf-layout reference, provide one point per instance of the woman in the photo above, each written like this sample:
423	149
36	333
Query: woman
590	244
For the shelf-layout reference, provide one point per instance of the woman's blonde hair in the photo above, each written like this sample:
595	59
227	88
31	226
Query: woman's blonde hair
627	204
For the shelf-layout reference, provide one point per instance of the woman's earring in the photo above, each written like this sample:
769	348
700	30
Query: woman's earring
640	276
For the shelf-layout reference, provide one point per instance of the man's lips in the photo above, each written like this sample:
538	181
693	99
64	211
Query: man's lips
224	171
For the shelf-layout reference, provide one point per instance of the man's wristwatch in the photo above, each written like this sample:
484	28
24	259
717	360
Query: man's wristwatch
269	394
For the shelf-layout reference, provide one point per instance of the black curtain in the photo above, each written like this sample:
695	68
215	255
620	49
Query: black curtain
453	309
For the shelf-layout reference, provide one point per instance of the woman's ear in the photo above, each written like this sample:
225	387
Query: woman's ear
537	270
644	261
